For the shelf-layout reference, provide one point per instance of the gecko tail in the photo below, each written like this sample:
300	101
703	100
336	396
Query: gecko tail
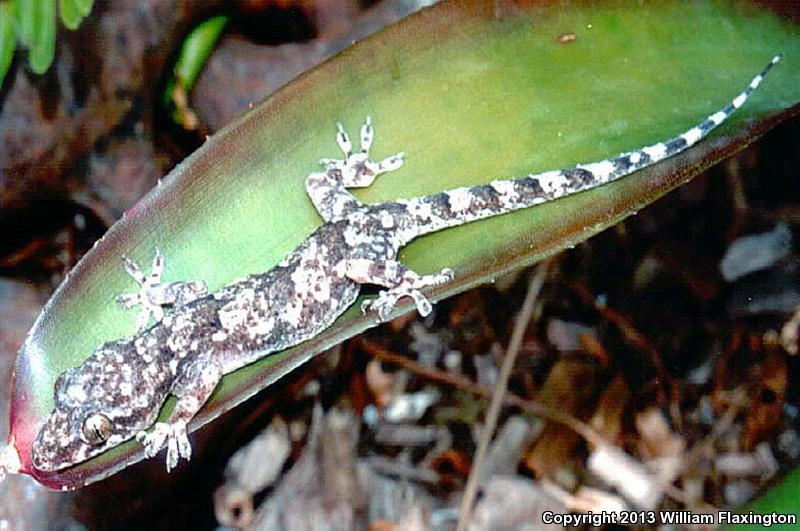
462	205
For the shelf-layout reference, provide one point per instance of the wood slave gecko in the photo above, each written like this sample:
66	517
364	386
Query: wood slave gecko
117	393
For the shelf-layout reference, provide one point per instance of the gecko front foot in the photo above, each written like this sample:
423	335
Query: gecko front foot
175	437
357	169
387	299
153	294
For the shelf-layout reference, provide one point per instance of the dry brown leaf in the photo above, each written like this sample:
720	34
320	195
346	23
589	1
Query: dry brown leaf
569	387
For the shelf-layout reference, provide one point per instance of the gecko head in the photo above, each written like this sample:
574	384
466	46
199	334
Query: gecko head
98	405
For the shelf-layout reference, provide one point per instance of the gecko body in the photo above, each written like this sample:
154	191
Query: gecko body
117	393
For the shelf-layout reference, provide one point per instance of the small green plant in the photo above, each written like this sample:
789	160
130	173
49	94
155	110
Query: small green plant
196	49
33	23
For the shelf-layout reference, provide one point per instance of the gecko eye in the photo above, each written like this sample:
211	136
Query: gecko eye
96	429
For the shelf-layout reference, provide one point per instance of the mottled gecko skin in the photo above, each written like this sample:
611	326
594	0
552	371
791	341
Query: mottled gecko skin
116	394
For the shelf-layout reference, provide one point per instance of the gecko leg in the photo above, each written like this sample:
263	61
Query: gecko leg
153	294
196	380
401	281
357	169
328	189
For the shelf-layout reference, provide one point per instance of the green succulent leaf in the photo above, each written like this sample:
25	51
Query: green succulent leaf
43	39
34	24
84	6
196	48
470	95
71	16
25	19
7	38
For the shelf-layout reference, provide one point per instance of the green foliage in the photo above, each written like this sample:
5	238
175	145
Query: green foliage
196	48
33	24
42	44
70	14
6	38
783	498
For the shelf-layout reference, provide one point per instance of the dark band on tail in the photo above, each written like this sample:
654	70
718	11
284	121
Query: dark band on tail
462	205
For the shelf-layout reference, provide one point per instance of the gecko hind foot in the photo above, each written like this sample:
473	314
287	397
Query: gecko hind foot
387	299
153	294
175	437
357	168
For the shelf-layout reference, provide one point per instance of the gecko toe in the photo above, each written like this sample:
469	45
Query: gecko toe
424	306
173	435
154	440
447	274
172	454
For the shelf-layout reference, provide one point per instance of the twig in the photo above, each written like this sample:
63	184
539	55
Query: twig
640	341
738	403
531	407
498	396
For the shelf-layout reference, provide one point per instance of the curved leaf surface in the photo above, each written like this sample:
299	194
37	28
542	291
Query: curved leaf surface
470	96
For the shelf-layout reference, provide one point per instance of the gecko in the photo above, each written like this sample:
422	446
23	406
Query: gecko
116	394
